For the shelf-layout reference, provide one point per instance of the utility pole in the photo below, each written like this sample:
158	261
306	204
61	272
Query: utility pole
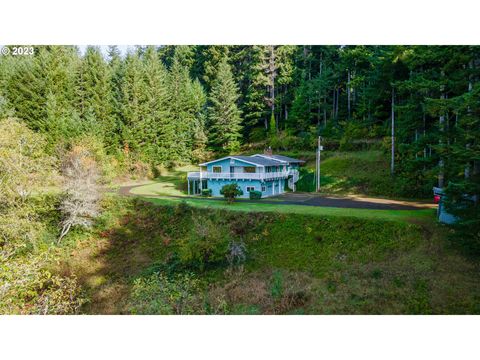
392	164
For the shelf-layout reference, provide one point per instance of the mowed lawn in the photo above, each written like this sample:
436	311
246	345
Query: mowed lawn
173	183
170	183
393	215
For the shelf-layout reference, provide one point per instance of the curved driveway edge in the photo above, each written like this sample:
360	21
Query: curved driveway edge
306	199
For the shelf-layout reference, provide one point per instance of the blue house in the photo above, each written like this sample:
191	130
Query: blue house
267	173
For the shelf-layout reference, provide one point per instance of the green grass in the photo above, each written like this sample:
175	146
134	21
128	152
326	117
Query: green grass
393	215
165	185
361	172
169	183
297	263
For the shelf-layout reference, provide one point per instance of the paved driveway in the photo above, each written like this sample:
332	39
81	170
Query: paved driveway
347	202
352	202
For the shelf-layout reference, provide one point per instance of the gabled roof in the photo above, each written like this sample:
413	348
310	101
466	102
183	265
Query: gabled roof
259	160
248	160
281	158
288	159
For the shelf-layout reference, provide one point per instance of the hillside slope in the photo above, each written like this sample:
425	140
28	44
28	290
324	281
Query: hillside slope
142	256
362	172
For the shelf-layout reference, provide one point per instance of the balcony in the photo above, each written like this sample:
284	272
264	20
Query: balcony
240	176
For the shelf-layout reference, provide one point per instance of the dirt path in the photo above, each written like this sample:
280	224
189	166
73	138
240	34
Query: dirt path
307	199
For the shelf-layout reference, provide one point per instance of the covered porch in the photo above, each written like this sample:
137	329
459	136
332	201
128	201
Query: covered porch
195	184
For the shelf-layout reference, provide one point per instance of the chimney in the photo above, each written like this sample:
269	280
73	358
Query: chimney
268	151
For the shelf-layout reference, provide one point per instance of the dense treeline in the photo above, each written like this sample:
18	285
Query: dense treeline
69	119
170	104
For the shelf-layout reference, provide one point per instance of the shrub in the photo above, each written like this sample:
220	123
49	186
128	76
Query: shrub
255	195
81	191
207	192
206	243
231	191
284	141
158	294
27	288
236	255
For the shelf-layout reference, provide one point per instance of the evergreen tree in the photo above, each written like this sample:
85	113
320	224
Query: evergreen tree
157	128
94	94
247	62
132	90
187	102
223	113
212	56
42	90
116	69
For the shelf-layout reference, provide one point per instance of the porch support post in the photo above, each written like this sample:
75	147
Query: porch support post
188	186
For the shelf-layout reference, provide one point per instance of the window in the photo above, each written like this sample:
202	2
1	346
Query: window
250	188
264	188
217	169
249	169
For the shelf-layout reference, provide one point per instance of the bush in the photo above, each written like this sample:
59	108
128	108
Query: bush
231	191
160	295
283	141
255	195
207	192
206	244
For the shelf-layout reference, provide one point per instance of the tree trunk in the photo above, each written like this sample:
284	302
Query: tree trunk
336	105
392	164
441	164
324	110
272	74
348	92
333	103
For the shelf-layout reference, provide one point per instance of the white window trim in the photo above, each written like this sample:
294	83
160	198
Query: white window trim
264	188
250	187
216	166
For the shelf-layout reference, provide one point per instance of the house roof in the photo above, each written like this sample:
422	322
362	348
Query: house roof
287	159
281	158
259	160
246	159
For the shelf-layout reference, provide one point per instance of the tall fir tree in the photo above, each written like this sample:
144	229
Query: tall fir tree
94	94
132	90
186	103
223	114
158	128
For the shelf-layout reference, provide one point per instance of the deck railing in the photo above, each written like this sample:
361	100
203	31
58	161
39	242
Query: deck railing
240	175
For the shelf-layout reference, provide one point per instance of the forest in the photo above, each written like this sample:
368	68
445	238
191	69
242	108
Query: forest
65	113
174	104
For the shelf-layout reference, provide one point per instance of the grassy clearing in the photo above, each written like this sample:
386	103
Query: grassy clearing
361	172
296	264
169	183
365	172
393	215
